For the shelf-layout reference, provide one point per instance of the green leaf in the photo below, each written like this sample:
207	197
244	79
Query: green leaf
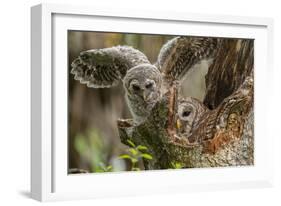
134	160
131	143
109	168
125	156
135	169
147	156
176	165
99	170
133	151
141	147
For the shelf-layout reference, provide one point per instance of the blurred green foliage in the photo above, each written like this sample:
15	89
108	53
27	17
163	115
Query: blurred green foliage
91	148
104	168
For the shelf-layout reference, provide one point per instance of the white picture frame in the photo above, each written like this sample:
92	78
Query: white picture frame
49	179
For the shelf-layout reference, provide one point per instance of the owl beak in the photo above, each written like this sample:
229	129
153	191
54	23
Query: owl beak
179	125
145	95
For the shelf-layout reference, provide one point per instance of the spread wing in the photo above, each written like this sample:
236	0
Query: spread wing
180	54
100	68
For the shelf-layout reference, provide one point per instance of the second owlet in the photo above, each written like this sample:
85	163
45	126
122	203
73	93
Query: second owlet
189	113
198	124
143	82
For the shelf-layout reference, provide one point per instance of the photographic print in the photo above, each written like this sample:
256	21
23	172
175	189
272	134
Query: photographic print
147	102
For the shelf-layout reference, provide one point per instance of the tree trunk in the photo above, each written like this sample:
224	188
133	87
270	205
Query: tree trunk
225	134
233	63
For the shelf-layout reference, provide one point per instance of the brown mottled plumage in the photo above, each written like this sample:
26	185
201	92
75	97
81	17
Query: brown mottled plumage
189	114
182	53
215	128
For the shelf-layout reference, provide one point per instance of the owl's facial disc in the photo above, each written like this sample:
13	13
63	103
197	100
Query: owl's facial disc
144	89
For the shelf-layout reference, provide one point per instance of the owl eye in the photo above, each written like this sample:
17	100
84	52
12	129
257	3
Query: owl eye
136	87
186	113
149	86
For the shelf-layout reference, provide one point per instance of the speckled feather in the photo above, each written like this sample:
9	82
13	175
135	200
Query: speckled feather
101	68
180	54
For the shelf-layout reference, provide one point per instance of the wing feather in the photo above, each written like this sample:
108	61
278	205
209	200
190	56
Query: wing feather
100	68
180	54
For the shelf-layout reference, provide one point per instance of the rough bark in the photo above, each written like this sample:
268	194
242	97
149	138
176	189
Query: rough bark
218	141
233	63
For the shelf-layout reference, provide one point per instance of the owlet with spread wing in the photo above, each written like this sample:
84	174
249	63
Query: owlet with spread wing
143	82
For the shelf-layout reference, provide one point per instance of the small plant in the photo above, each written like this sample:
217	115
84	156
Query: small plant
135	154
176	165
104	168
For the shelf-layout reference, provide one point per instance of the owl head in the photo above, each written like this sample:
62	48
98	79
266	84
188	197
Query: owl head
143	82
189	113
